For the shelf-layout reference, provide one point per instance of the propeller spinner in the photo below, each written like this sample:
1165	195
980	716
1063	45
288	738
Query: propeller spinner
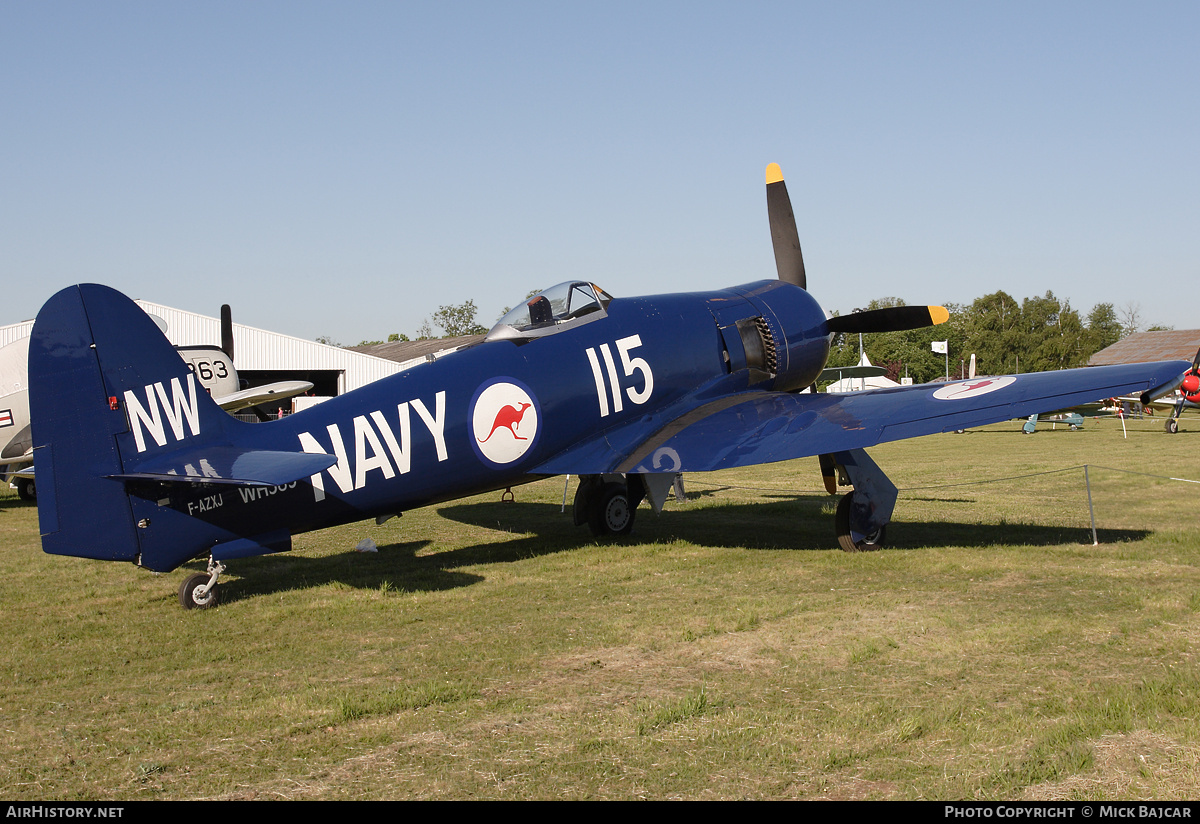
1191	381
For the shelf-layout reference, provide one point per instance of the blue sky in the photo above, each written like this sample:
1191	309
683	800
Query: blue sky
344	169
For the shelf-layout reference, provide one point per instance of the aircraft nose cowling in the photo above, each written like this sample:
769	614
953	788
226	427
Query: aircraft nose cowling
1191	387
793	325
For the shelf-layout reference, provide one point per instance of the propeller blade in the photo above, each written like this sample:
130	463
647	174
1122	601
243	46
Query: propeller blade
227	330
788	260
828	472
889	319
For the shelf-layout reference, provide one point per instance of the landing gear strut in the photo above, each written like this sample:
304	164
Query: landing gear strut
845	535
200	591
862	515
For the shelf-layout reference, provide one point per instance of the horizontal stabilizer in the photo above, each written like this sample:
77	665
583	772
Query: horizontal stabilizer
230	465
281	390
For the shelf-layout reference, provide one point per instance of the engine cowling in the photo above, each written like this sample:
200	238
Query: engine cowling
1191	387
784	339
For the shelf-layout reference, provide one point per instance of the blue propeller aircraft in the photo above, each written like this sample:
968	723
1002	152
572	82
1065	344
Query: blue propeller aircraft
135	462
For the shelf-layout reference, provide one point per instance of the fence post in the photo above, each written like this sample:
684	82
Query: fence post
1091	510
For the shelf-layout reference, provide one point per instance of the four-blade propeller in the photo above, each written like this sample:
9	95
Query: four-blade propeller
790	264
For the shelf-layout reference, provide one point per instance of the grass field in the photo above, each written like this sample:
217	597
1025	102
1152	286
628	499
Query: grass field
726	650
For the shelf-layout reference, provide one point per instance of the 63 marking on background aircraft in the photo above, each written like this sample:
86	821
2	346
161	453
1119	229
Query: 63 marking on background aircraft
135	464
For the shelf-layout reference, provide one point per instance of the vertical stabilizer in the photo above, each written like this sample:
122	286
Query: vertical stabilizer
106	391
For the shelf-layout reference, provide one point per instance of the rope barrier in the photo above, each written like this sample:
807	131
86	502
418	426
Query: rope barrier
693	482
1086	480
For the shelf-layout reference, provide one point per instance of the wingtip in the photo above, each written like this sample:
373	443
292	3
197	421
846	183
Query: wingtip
774	173
938	314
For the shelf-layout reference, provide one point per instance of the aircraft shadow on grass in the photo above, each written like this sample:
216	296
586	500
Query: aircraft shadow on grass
13	503
781	523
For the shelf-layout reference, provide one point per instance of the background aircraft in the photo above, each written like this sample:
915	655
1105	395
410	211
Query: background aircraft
16	442
136	462
212	366
1187	396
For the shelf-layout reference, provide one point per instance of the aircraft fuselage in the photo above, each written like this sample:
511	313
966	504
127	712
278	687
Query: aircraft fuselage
484	417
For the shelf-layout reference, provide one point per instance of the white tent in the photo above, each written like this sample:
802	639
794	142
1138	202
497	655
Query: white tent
857	384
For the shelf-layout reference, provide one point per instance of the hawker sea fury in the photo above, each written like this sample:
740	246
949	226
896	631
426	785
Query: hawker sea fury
134	464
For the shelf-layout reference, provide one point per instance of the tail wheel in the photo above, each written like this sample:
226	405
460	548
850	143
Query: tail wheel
192	596
841	521
611	512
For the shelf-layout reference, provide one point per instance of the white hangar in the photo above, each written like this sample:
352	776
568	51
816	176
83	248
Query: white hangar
261	357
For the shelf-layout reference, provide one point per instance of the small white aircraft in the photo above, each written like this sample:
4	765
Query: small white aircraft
213	367
16	442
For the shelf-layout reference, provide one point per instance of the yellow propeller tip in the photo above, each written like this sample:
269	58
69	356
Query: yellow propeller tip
774	173
938	314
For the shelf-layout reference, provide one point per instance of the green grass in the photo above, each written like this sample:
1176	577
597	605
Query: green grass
725	650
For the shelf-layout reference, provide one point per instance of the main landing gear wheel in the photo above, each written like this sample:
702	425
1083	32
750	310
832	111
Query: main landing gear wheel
610	512
26	490
192	596
841	521
1172	426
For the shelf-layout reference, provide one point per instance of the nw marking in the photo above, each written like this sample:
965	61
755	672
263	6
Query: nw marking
177	410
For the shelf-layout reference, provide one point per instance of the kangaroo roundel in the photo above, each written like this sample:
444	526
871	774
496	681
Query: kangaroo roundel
961	390
504	421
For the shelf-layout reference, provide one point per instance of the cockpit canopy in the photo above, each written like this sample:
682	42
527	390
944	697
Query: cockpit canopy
554	310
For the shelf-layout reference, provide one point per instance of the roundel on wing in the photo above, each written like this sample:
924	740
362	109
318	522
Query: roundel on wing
972	388
504	421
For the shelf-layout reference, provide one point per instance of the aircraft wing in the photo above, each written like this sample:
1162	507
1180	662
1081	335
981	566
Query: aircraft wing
261	394
763	427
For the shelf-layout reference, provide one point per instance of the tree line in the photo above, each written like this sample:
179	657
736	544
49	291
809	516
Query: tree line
1006	336
454	321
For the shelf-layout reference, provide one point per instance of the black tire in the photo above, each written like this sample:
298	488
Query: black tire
841	523
611	513
585	496
1172	426
26	489
187	592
